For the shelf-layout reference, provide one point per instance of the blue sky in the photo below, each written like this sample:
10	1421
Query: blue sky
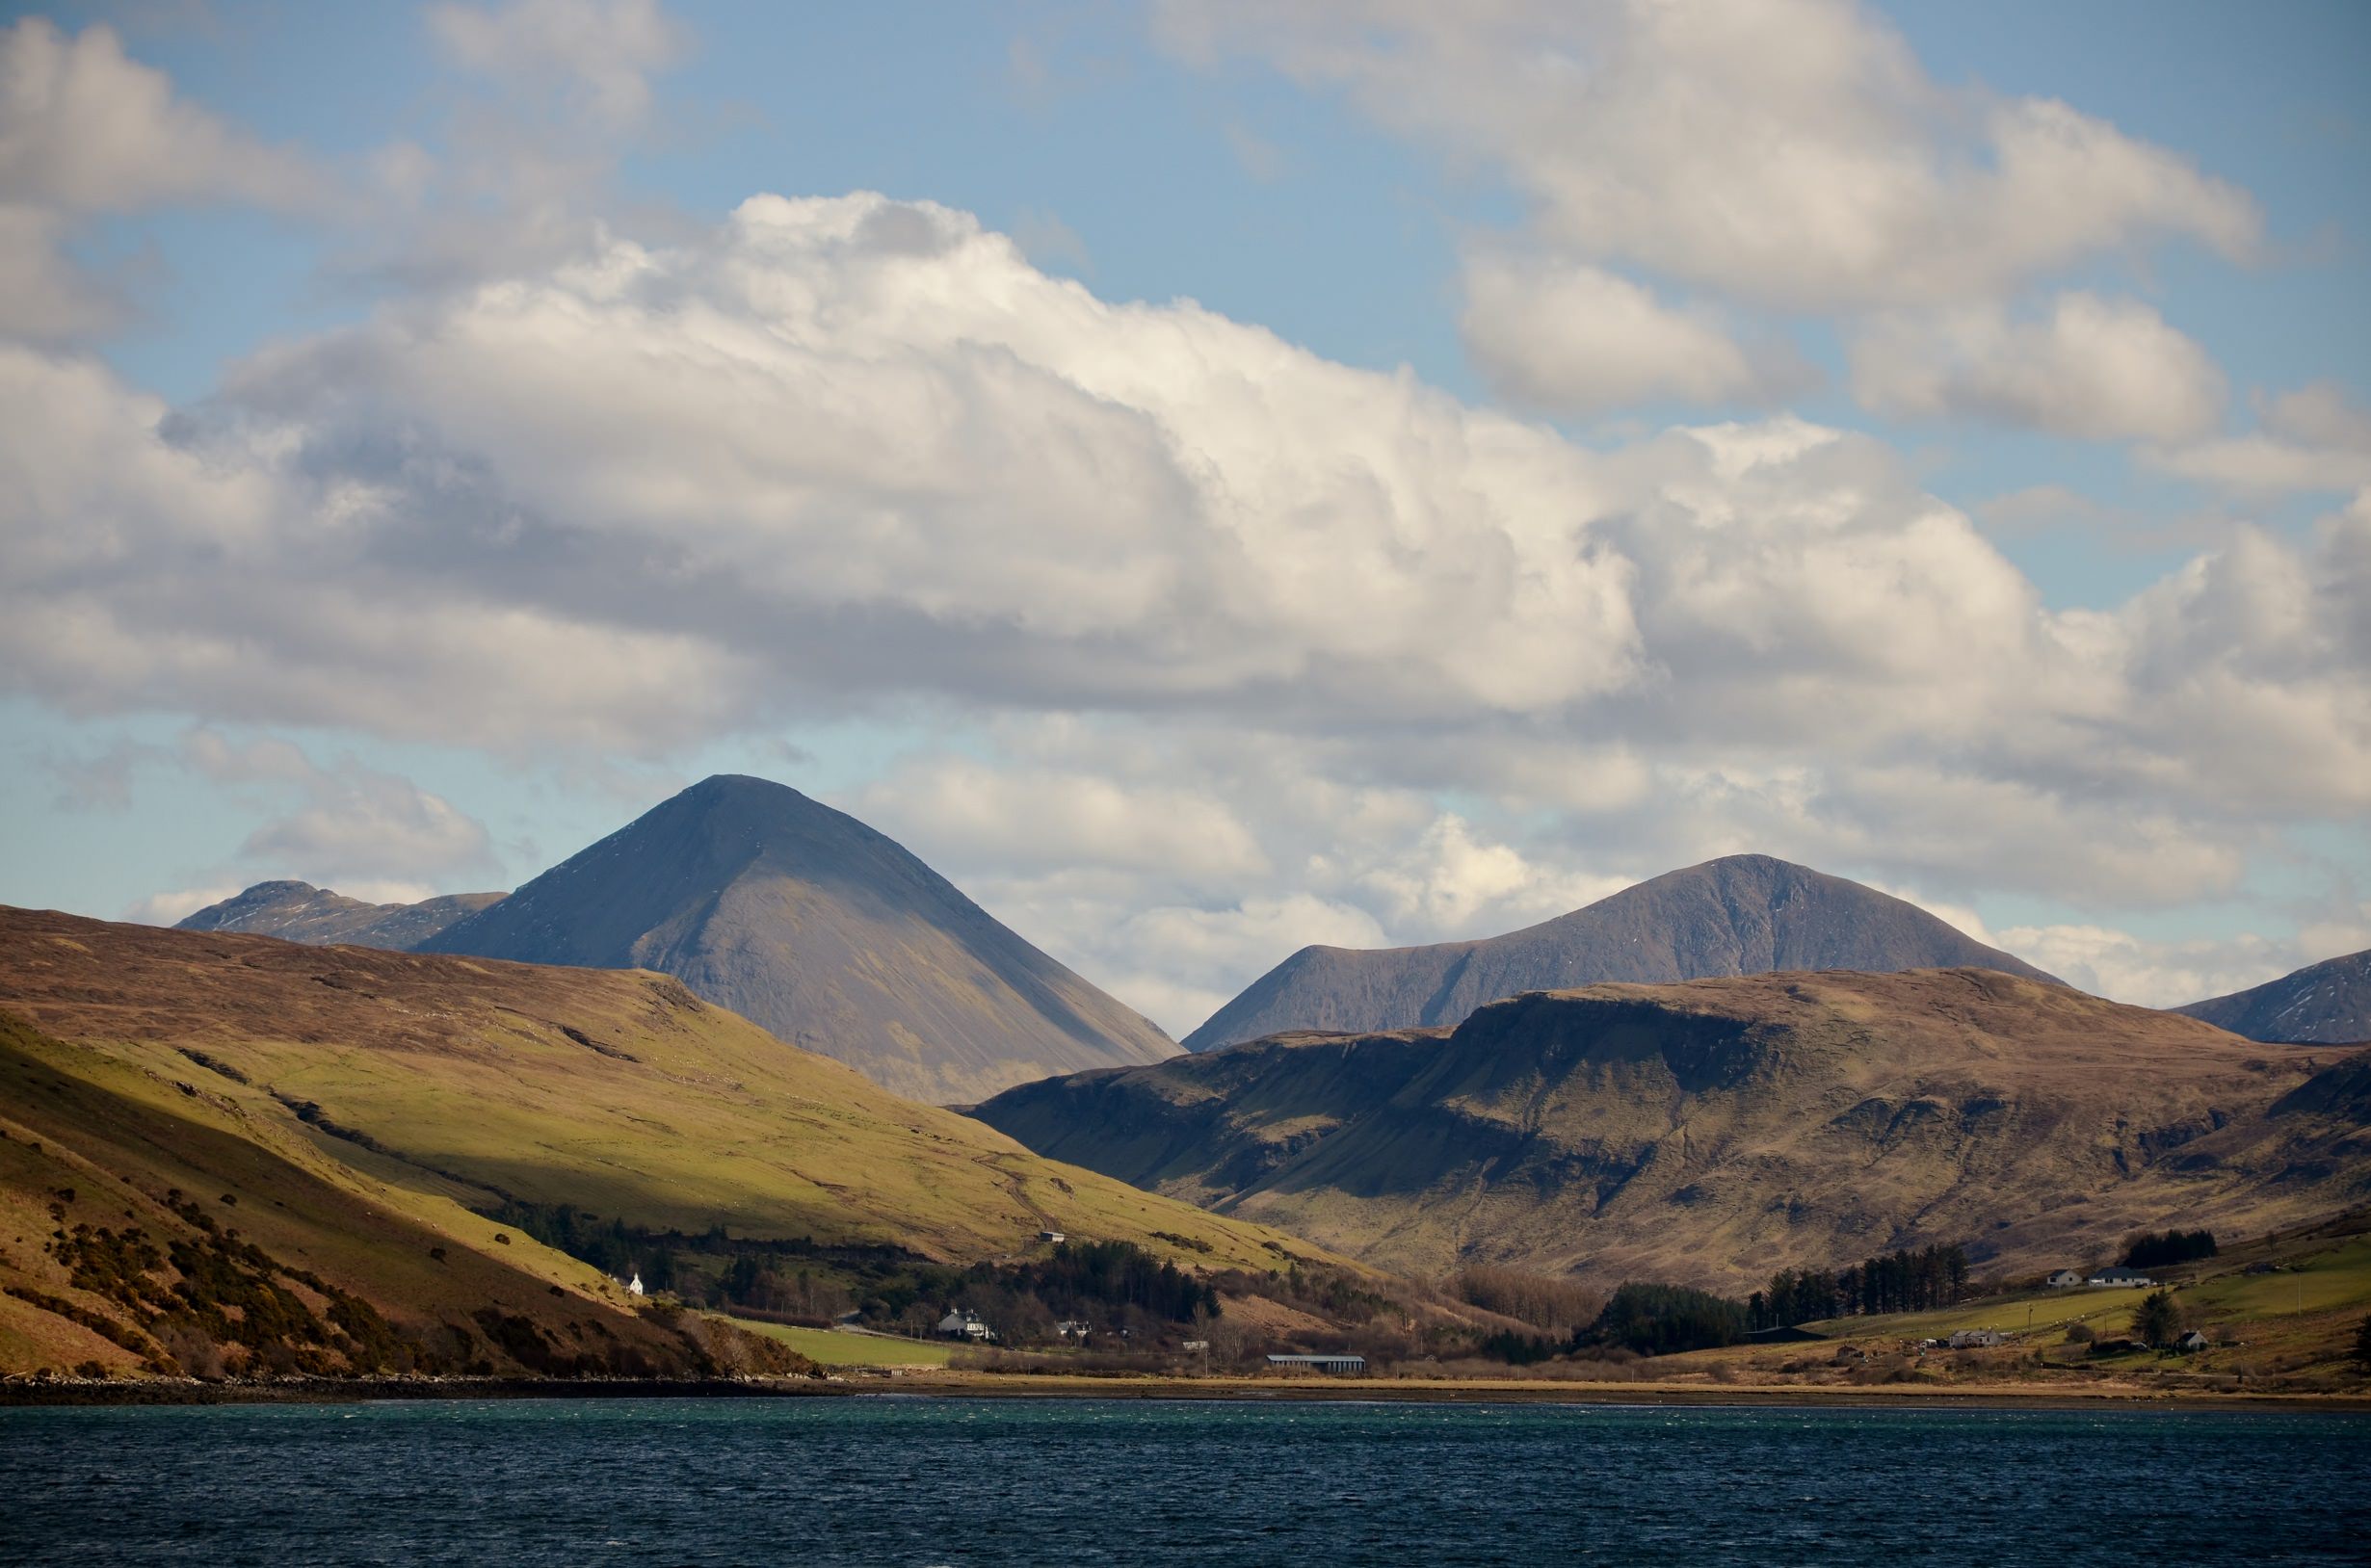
2072	653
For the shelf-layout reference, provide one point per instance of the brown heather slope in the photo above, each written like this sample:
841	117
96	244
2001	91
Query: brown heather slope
1745	914
378	1096
1715	1130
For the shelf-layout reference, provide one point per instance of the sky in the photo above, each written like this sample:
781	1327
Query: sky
1207	478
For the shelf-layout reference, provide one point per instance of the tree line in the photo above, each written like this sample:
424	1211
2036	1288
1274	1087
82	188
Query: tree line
1934	1276
2154	1249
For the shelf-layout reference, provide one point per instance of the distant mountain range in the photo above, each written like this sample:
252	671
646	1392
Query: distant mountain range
796	916
1717	1129
1740	915
2323	1003
249	1116
300	912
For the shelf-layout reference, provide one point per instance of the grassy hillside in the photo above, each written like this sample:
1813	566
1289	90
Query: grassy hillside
2285	1304
360	1104
1717	1131
151	1226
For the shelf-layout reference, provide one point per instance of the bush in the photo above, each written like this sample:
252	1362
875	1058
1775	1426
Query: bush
2080	1334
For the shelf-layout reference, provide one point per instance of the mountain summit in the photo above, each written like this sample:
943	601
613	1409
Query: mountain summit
812	925
1746	914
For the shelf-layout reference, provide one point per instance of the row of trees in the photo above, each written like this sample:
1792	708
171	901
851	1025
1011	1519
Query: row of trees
2154	1249
1934	1276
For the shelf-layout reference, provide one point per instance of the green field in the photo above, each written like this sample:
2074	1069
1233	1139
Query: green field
836	1347
2302	1315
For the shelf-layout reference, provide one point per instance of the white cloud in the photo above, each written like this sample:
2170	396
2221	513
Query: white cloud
349	825
2149	974
1790	156
87	131
1793	153
599	55
2094	369
852	455
1577	338
2315	437
172	908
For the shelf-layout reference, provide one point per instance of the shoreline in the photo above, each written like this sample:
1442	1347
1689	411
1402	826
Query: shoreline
1278	1389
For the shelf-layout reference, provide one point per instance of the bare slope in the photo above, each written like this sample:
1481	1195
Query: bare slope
2323	1003
300	912
430	1085
1741	915
817	927
1717	1129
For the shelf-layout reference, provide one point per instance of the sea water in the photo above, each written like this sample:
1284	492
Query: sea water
891	1481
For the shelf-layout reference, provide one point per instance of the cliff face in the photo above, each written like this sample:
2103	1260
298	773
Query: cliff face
1715	1130
1742	915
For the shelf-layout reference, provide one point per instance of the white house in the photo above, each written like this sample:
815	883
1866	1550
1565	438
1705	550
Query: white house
1055	1236
2121	1276
2065	1279
964	1326
634	1286
1073	1329
2192	1341
1970	1339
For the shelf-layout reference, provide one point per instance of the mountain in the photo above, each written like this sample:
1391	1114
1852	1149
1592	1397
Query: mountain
354	1114
2323	1003
815	927
300	912
1714	1131
1745	914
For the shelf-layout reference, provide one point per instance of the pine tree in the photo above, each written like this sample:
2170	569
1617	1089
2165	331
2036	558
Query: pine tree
2157	1321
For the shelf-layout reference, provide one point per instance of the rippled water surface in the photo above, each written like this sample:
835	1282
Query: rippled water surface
955	1481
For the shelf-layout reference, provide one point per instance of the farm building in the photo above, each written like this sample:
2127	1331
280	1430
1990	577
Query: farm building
2121	1276
2065	1279
1330	1364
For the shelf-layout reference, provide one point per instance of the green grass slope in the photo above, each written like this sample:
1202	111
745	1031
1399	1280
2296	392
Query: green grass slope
384	1095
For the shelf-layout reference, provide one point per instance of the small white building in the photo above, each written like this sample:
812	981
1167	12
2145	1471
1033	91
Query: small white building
1978	1339
2191	1342
964	1326
1055	1236
634	1286
1073	1329
2121	1276
2065	1279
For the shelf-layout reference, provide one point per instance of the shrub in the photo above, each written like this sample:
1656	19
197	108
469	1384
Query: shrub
2080	1334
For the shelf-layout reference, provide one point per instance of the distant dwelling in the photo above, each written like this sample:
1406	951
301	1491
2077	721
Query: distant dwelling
1055	1236
1073	1329
634	1286
1197	1345
2065	1279
1978	1339
964	1326
1330	1364
2121	1276
2191	1342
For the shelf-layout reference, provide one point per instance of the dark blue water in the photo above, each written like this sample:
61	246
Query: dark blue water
977	1482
